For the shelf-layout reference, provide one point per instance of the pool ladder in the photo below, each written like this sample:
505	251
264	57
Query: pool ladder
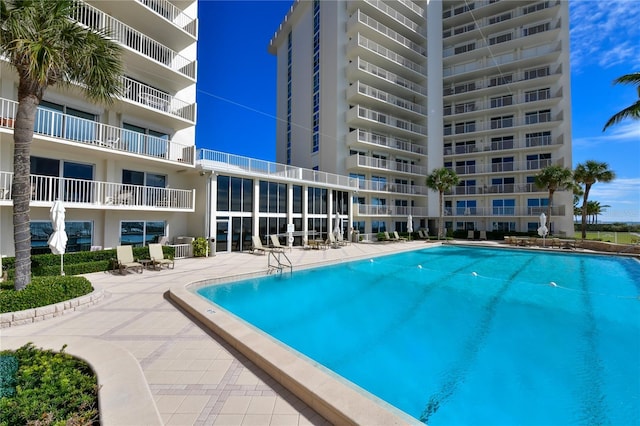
278	264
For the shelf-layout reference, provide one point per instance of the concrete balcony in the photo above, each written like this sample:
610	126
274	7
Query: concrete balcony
533	123
388	211
91	194
94	135
389	16
173	14
516	166
158	100
362	161
518	211
513	188
363	93
364	117
365	138
475	107
364	71
377	53
516	144
162	58
391	188
369	27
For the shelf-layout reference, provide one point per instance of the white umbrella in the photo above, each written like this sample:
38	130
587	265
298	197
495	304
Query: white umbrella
410	225
542	230
337	229
58	240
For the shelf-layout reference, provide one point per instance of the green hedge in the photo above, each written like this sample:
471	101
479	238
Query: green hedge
82	262
43	291
50	388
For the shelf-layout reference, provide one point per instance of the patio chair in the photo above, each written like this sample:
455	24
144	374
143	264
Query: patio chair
332	241
126	261
483	235
387	237
341	240
275	243
157	257
258	247
398	237
470	235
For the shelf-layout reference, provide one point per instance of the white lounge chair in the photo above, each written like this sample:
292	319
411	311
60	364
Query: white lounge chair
126	260
398	237
483	235
258	247
157	257
275	243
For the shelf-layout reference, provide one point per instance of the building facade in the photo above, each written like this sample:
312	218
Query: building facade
124	172
385	92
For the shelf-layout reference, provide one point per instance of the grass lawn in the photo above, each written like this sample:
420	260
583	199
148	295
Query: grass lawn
622	237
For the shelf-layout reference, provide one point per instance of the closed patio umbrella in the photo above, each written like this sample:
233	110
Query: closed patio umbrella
542	230
410	225
58	240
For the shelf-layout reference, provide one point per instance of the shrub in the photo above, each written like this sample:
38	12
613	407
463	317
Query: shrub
8	370
380	236
199	247
51	388
43	291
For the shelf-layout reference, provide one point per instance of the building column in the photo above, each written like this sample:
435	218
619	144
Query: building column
435	125
211	208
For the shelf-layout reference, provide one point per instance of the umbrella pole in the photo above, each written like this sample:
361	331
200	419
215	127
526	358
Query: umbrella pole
62	265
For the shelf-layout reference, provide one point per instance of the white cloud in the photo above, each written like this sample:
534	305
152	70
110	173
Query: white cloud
628	132
604	33
623	197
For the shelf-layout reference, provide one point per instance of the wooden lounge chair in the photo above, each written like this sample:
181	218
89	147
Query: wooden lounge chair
157	257
398	237
258	247
332	242
126	260
341	240
275	243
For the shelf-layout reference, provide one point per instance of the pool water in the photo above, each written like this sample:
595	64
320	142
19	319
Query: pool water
455	335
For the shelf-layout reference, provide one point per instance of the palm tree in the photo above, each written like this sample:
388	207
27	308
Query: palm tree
47	47
442	180
632	111
553	178
595	209
587	174
577	193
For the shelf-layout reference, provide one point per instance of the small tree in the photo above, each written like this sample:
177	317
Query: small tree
587	174
442	180
47	47
553	178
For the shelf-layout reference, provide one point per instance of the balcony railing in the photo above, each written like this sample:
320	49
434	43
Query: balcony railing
91	133
395	188
96	194
128	36
388	98
390	165
376	210
157	99
395	15
386	119
365	136
515	166
511	188
171	13
388	54
518	100
224	162
494	81
526	142
383	29
390	77
502	211
502	123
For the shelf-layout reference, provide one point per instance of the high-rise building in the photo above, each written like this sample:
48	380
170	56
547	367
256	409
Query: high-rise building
387	91
122	170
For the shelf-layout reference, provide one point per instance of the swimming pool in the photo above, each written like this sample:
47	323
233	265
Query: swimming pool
454	335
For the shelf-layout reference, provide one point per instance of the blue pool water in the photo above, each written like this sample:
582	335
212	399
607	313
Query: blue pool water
454	335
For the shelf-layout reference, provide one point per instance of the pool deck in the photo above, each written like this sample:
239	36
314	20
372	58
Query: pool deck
157	366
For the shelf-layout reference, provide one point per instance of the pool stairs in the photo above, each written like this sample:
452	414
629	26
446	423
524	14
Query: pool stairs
277	264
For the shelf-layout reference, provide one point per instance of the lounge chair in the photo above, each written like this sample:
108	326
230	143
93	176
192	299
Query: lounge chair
470	235
423	235
398	237
387	237
483	235
332	241
157	257
275	243
126	260
341	240
258	247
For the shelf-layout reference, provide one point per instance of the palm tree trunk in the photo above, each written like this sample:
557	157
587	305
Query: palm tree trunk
584	211
549	208
440	218
21	188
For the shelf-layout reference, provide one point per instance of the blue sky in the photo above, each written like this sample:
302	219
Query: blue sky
236	87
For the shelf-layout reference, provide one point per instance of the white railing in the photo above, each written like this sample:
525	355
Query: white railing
88	132
376	210
386	119
388	54
510	188
391	165
182	251
157	99
503	211
383	29
504	122
394	14
224	162
171	13
130	37
390	77
524	99
388	98
504	167
396	188
385	140
91	193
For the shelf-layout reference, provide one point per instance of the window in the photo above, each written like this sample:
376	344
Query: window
297	199
466	127
141	233
538	117
79	236
499	18
378	226
504	164
504	207
535	29
358	226
536	73
535	206
64	122
466	207
537	95
465	107
504	226
538	161
499	143
465	167
500	38
500	122
535	7
77	185
501	101
317	200
144	141
273	197
500	80
378	183
234	194
502	185
464	48
465	147
538	138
